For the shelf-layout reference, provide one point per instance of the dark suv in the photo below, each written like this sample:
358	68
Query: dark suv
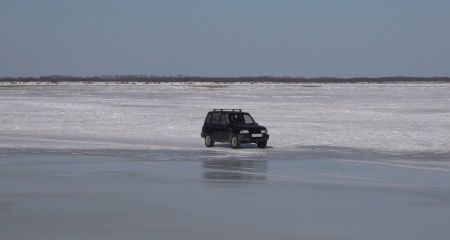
233	126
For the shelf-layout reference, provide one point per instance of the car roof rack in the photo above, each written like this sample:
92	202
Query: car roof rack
227	110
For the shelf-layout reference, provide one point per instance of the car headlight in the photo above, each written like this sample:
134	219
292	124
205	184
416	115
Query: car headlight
264	131
245	131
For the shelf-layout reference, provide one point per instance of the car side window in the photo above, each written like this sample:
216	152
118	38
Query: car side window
248	119
223	119
215	118
236	118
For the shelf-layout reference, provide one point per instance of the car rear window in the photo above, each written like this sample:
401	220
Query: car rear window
208	118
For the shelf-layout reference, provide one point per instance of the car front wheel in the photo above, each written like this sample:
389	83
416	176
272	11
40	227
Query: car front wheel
209	142
235	142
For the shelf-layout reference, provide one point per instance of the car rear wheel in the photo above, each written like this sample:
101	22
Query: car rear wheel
209	142
235	142
262	144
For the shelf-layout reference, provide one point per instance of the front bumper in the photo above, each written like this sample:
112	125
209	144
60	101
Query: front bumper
247	138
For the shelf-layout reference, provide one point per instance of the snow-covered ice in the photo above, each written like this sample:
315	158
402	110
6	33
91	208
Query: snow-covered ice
387	117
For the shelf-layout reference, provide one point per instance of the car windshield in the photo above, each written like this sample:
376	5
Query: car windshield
241	118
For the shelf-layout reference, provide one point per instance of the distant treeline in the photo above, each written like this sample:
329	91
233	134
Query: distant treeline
260	79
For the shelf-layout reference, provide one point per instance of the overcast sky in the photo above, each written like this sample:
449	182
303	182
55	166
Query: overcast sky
310	38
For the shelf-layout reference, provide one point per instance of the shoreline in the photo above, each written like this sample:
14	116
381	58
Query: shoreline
144	79
200	83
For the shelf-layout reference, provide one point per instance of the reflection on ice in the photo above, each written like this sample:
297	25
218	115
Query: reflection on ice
235	169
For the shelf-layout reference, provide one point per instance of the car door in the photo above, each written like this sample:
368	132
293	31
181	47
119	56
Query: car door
214	126
222	128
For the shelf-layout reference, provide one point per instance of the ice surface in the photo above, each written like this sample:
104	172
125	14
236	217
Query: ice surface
133	195
405	122
345	161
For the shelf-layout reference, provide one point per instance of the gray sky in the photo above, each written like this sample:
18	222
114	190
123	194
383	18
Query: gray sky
311	38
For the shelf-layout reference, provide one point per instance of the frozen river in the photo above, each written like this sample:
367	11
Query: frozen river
127	162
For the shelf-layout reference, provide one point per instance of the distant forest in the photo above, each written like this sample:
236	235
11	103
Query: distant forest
261	79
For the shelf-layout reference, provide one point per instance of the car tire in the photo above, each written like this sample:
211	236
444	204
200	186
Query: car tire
262	144
209	142
235	142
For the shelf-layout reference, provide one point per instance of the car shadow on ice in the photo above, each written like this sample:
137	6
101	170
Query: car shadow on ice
243	146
